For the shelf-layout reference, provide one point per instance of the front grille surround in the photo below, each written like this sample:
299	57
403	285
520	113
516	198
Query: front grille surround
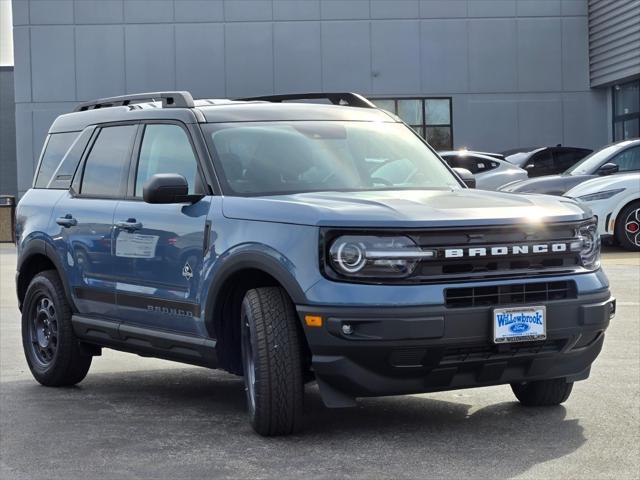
440	269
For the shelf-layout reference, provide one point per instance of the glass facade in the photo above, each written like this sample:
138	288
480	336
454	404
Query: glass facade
626	110
430	117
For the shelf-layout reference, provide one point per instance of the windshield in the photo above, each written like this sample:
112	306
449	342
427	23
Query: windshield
519	159
591	163
273	158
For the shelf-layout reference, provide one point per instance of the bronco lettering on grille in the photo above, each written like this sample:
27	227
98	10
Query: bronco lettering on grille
501	250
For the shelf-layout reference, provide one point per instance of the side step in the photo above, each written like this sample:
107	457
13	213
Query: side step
145	341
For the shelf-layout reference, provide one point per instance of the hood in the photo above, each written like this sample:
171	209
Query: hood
628	181
549	185
403	209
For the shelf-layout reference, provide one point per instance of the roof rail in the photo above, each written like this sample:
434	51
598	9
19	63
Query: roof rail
337	98
169	100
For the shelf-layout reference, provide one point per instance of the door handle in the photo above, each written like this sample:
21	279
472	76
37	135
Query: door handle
67	221
130	224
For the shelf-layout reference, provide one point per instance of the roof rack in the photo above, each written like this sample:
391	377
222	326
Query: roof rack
337	98
169	100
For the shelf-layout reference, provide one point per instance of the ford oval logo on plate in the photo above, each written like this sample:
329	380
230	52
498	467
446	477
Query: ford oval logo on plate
519	324
518	328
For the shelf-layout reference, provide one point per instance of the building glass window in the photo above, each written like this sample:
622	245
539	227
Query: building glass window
626	110
429	117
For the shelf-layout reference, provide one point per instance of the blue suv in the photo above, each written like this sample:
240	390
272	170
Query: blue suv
298	238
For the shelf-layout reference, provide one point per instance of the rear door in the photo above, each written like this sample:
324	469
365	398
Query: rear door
84	217
159	248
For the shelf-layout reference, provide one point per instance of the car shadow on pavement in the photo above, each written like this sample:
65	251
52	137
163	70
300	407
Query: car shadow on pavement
148	423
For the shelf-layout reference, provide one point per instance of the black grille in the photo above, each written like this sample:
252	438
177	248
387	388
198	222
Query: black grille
490	267
495	266
493	235
509	294
496	352
433	357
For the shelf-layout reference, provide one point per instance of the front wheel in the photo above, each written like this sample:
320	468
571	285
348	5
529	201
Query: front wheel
271	360
542	393
54	354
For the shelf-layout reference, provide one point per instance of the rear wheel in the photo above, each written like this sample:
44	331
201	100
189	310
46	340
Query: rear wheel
271	360
628	227
542	392
54	354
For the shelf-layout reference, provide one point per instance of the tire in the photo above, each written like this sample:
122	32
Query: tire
272	361
542	393
627	230
54	354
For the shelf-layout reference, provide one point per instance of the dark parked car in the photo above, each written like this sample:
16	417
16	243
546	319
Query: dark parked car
291	243
489	171
545	160
618	157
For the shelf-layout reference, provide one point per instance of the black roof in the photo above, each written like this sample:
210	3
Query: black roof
181	106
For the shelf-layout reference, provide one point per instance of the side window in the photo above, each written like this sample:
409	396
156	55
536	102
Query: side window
542	164
166	149
57	147
453	162
463	161
484	165
106	167
629	160
565	159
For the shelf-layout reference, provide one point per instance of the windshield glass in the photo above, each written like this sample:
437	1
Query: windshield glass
518	159
279	158
590	163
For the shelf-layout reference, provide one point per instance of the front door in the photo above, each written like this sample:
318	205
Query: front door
159	249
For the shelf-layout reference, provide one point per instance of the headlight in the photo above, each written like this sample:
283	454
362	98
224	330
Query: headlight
588	244
373	256
600	195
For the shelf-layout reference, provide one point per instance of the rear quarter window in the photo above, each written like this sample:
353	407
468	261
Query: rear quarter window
54	157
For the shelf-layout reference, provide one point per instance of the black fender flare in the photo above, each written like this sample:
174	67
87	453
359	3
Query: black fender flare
249	259
38	246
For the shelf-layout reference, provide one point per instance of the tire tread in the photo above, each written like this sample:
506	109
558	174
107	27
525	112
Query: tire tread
543	392
71	365
279	385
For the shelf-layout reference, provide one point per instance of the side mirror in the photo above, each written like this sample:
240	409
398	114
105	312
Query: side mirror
608	169
466	176
529	166
166	188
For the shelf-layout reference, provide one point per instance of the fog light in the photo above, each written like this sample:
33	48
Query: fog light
347	329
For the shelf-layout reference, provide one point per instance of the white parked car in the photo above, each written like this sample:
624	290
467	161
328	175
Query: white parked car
615	200
490	172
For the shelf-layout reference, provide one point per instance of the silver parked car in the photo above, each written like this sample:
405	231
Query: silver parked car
490	172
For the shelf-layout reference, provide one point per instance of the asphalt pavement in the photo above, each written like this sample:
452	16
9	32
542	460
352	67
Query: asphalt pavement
135	417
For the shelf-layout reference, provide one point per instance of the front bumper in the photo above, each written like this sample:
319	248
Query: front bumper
402	350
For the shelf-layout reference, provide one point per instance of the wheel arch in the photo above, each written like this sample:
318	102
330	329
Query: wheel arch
241	272
621	206
37	257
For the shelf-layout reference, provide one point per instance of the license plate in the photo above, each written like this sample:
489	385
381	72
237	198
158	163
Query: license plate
522	324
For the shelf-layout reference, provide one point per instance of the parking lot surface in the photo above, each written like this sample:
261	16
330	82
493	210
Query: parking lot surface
135	417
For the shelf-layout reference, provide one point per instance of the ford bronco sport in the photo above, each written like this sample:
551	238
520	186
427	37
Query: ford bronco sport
289	241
